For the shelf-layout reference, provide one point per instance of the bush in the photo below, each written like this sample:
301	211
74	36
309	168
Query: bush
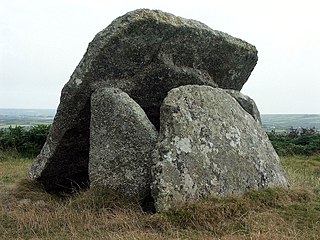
296	142
27	142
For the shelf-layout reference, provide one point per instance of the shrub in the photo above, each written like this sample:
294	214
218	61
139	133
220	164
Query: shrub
27	142
296	142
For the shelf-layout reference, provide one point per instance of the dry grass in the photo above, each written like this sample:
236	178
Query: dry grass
303	171
28	212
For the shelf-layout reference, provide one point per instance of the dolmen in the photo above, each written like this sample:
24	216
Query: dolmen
154	111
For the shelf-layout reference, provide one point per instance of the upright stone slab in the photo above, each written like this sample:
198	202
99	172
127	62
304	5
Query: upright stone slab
145	53
246	103
208	145
122	139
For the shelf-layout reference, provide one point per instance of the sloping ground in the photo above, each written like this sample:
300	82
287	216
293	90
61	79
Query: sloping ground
27	212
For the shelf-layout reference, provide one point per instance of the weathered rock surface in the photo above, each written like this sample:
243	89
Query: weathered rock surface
122	139
208	145
145	53
246	103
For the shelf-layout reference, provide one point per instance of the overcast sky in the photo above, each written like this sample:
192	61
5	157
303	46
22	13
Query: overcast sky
42	41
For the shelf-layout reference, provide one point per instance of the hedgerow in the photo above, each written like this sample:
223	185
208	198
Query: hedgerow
29	141
26	141
296	142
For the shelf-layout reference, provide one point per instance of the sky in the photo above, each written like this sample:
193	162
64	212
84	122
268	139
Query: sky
42	41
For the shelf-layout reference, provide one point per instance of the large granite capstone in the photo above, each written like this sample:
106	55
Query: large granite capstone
209	145
145	53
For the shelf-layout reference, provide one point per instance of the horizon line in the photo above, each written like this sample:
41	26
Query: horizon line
55	109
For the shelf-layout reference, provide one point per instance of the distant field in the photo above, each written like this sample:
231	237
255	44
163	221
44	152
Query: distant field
279	122
25	117
286	121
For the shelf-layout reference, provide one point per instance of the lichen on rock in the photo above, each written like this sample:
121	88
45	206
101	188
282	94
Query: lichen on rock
122	139
145	53
222	150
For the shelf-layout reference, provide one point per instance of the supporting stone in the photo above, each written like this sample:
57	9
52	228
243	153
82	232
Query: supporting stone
208	145
122	139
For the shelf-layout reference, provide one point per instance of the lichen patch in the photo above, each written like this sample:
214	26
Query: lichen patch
182	144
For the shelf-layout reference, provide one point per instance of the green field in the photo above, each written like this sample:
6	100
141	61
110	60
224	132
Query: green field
28	212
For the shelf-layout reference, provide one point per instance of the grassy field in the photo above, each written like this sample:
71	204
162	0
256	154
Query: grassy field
28	212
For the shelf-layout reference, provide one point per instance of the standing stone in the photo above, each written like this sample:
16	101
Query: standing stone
145	53
121	142
246	103
208	145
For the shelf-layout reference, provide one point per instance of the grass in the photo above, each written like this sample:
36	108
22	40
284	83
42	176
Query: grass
12	169
303	171
28	212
